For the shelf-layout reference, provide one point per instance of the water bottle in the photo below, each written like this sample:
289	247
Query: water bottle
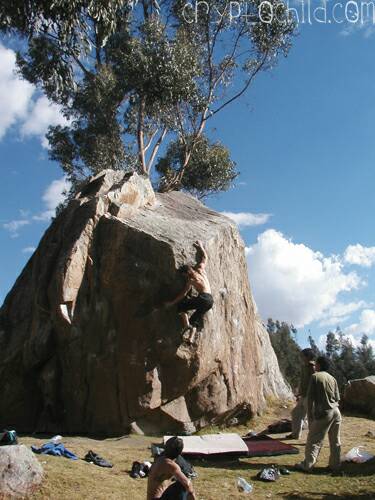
244	486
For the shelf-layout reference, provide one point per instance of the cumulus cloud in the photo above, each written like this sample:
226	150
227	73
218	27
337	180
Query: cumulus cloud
17	106
366	324
244	219
360	255
334	321
14	225
52	197
340	312
15	94
43	114
294	283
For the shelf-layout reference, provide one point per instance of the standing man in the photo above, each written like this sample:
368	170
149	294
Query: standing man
163	470
324	416
196	277
299	412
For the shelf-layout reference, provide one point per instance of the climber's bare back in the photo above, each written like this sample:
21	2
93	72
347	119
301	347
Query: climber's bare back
199	280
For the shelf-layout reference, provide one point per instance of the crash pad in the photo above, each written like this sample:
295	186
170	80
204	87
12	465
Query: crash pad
265	446
210	445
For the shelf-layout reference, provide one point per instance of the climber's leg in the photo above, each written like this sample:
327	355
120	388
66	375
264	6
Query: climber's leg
193	332
185	320
204	303
186	304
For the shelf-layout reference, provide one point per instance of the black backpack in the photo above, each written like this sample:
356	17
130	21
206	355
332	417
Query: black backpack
8	437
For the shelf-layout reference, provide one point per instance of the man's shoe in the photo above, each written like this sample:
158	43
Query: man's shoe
301	467
96	459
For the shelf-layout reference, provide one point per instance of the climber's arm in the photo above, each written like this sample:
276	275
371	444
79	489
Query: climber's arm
203	254
180	296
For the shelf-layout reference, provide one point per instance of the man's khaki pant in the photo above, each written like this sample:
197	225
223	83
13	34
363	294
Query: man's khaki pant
331	423
299	413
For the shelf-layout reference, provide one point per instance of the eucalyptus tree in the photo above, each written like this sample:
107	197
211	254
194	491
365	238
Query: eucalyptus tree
138	81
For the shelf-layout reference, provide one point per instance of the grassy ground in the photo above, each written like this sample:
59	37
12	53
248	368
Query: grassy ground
67	479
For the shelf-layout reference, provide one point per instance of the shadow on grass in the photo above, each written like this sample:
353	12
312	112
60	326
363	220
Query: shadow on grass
236	465
348	469
353	469
352	412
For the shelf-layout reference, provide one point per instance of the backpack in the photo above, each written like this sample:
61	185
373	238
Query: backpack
8	437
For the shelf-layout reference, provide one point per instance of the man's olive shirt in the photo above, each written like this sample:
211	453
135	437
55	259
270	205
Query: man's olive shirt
323	395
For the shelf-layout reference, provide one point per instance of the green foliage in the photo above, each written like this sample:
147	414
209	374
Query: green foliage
347	362
317	352
133	77
210	168
287	350
332	345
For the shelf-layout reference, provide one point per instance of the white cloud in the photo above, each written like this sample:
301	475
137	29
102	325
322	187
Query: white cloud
54	194
365	27
340	312
294	283
17	107
14	225
15	94
341	309
334	321
244	219
52	197
360	255
42	115
28	250
365	325
44	216
356	341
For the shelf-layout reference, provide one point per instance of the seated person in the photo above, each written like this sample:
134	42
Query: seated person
163	470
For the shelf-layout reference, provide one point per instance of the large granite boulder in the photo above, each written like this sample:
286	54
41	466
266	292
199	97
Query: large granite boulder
87	346
360	395
20	472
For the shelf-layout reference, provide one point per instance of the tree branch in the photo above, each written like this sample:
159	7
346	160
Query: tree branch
140	136
151	139
155	150
68	52
243	90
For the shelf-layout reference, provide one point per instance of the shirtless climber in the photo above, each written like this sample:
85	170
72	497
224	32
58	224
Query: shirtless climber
163	470
196	277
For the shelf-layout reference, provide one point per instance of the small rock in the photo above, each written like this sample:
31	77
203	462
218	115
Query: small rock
20	471
135	429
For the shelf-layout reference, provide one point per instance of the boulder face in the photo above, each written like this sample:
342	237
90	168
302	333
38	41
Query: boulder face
359	395
87	346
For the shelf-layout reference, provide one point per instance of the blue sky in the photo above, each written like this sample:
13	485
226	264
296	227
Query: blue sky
303	142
